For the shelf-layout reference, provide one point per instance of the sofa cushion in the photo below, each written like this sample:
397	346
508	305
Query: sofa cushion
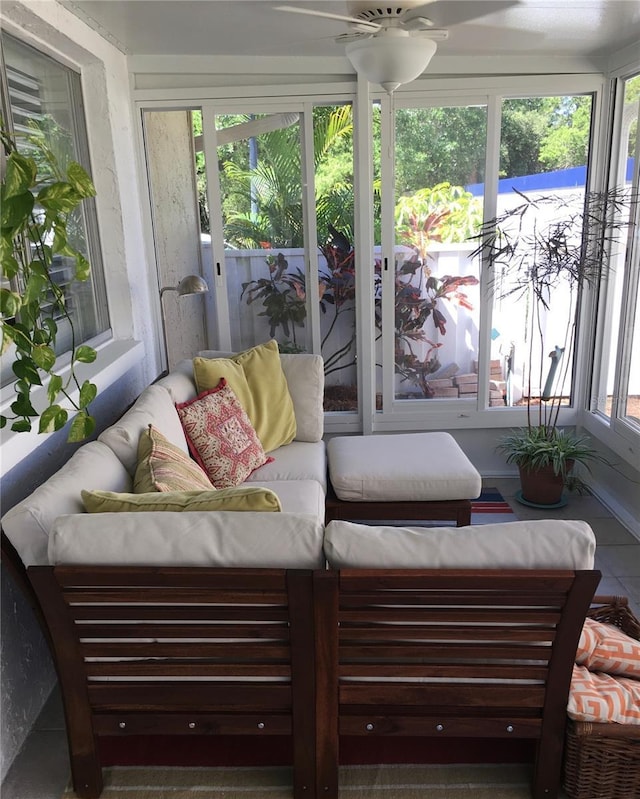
221	437
164	467
180	382
201	538
305	378
241	498
603	647
403	466
300	460
154	406
28	524
557	544
297	496
603	698
258	381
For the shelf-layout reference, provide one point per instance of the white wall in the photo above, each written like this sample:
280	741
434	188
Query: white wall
124	366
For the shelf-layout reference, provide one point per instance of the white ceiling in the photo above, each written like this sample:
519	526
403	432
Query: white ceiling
253	28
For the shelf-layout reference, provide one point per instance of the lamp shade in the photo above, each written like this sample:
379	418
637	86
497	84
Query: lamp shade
391	58
192	284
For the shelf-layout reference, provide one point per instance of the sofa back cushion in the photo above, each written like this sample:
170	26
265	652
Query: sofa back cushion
28	524
180	382
200	538
304	374
154	406
554	544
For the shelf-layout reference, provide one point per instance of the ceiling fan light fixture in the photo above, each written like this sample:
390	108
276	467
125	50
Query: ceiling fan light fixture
392	60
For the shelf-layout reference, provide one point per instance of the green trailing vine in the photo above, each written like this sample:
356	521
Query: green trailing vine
39	198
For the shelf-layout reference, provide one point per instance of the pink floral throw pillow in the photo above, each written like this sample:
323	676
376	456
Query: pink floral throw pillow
220	436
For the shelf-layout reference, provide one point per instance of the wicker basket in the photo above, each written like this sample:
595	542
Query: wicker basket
602	761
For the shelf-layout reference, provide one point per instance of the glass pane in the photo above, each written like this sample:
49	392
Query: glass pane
333	144
541	195
46	113
439	158
631	409
261	193
609	328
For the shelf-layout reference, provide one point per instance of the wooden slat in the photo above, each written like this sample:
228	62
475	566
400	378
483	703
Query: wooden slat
203	724
435	632
399	650
456	580
186	668
184	613
232	578
172	595
250	650
441	694
177	696
470	671
484	727
447	615
446	598
230	631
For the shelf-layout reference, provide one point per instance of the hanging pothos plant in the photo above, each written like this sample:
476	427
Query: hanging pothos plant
39	197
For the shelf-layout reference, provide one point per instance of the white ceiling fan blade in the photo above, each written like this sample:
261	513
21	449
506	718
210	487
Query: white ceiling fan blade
372	26
446	13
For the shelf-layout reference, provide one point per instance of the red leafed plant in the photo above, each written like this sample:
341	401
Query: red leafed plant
443	213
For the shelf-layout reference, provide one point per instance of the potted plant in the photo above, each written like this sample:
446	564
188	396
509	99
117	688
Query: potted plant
542	246
40	197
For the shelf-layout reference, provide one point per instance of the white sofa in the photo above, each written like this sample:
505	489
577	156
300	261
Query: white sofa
50	526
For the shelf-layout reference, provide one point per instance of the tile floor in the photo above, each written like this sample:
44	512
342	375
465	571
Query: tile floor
41	770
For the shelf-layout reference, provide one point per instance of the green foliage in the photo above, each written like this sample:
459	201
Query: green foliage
535	448
533	249
40	195
442	213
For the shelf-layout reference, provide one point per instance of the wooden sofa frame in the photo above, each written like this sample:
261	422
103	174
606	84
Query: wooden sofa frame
455	653
229	651
177	651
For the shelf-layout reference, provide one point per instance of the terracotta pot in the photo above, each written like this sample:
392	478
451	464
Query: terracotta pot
542	486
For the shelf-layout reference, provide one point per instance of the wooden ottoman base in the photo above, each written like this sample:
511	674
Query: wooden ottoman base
458	510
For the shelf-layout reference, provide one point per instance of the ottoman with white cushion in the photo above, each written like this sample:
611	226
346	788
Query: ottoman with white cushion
400	476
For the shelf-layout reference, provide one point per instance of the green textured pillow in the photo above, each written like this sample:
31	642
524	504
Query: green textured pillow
164	467
257	379
241	498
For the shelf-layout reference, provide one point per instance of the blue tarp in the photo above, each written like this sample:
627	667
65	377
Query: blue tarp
575	177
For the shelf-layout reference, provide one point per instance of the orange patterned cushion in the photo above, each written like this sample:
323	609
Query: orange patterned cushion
221	437
603	647
164	467
603	698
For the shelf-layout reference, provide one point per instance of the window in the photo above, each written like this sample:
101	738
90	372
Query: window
544	152
616	387
42	99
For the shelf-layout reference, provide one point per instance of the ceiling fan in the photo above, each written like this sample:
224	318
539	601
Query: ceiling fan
392	44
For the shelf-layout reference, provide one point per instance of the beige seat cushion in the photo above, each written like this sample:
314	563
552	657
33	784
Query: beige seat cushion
299	460
401	467
555	544
296	496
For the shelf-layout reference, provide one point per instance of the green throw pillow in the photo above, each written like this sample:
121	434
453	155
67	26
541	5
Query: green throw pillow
164	467
257	380
253	498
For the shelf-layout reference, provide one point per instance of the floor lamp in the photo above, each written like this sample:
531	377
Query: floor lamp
191	284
